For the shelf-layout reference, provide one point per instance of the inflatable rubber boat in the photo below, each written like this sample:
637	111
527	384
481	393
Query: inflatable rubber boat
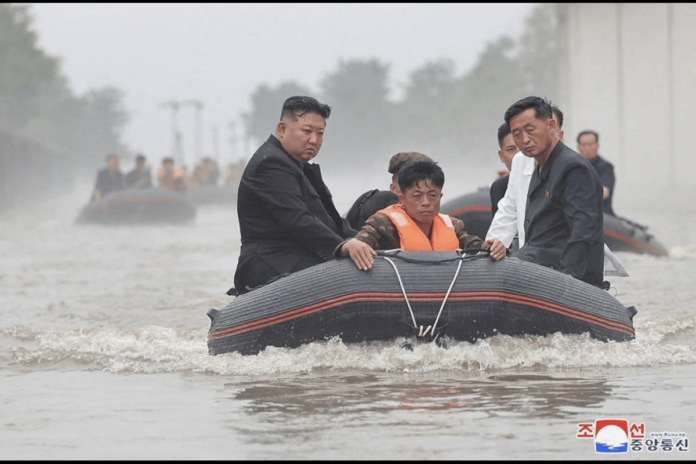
620	234
142	206
429	296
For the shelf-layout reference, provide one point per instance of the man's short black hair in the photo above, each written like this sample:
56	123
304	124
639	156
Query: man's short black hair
404	157
416	171
585	132
503	131
558	114
140	158
542	108
297	106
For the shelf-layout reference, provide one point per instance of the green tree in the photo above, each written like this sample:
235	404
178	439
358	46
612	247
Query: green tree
506	71
426	115
441	114
266	104
538	57
362	122
27	74
36	102
483	95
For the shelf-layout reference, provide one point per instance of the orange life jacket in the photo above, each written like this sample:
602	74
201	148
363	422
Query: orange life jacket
412	237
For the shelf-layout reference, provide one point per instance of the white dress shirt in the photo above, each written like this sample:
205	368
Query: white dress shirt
509	219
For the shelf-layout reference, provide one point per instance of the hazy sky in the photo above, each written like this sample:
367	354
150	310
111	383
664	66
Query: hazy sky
219	53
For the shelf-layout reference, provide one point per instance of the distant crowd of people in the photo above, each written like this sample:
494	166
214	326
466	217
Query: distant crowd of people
206	173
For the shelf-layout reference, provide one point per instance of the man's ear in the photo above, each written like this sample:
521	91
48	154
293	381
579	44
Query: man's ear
280	128
402	198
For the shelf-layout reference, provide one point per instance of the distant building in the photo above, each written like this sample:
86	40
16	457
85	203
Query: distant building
628	71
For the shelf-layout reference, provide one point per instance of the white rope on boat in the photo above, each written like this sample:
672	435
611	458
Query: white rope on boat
456	274
430	328
403	290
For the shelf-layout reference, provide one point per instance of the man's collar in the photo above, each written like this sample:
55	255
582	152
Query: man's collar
275	141
552	157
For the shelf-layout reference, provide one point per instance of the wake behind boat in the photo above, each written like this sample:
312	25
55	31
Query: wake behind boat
427	295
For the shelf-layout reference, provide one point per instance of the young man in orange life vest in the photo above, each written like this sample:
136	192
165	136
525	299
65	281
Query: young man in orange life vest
415	223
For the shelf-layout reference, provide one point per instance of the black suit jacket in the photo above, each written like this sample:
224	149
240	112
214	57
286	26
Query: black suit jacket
498	189
605	170
287	217
564	223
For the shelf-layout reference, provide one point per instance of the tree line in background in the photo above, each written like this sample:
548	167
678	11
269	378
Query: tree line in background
440	113
37	104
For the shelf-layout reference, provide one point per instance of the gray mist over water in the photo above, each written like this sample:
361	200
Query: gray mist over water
103	330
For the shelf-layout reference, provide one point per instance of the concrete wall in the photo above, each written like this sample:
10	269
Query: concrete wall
627	71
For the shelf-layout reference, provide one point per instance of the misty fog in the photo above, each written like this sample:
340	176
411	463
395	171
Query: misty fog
383	100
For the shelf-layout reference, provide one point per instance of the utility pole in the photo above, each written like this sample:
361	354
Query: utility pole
233	139
177	149
216	144
198	106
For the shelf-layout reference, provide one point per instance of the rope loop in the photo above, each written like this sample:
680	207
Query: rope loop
423	332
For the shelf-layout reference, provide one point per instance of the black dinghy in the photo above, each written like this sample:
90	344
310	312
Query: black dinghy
620	234
463	295
144	206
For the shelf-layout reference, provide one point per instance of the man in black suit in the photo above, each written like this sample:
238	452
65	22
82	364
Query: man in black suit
109	179
588	146
287	218
564	223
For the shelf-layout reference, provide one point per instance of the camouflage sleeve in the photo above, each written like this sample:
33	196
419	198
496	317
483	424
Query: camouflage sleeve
465	240
378	232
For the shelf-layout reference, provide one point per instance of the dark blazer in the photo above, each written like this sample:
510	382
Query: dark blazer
605	170
287	217
107	183
498	188
564	224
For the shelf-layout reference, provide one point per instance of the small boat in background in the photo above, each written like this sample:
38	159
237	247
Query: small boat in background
620	234
139	206
474	209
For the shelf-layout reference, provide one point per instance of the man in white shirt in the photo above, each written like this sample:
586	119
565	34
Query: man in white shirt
508	221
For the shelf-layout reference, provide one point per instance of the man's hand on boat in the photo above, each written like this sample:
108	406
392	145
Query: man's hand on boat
363	254
360	252
497	250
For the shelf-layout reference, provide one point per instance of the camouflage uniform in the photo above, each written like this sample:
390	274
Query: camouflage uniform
381	234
